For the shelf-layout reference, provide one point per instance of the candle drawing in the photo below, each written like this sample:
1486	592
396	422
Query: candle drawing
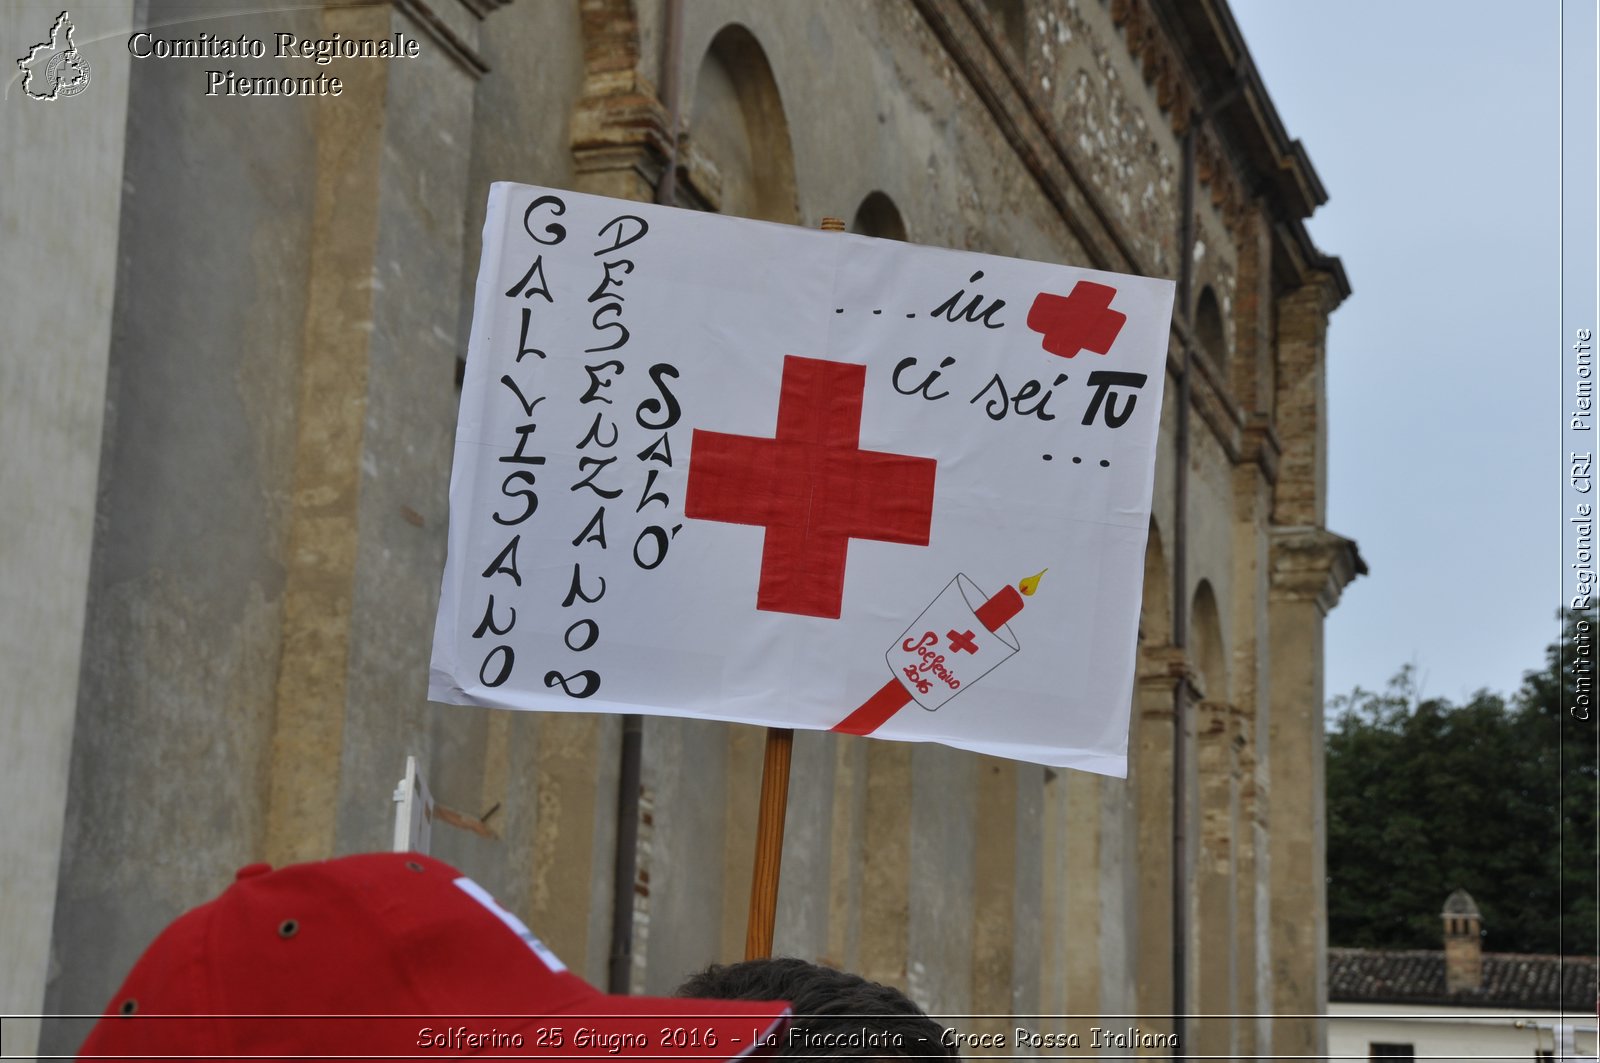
960	637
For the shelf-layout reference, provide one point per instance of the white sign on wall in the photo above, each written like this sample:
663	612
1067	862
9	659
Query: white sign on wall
733	470
413	811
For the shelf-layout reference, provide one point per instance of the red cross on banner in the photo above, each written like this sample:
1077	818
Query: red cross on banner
811	487
1082	321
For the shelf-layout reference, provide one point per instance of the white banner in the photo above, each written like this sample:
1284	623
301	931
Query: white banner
741	471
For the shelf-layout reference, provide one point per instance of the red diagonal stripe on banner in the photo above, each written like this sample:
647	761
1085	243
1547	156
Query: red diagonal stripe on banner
875	711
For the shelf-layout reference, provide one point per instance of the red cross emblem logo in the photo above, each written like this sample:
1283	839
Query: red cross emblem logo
1082	321
811	487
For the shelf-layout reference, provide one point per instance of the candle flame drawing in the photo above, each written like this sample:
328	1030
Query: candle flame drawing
1031	583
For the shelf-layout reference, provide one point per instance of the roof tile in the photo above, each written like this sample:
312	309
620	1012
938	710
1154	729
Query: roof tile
1414	976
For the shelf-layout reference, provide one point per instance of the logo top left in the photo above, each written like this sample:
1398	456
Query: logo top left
55	68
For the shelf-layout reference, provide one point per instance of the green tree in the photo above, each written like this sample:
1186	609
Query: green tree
1560	702
1494	797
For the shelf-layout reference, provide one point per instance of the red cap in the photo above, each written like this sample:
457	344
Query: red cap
386	955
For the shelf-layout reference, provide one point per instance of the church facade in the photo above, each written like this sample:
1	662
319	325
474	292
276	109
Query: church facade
228	456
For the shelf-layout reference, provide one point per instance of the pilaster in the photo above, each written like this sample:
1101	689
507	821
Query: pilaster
847	854
1214	962
1254	380
308	732
567	861
1056	932
1253	478
1249	839
620	134
1162	669
995	853
1309	568
375	363
1082	847
886	874
1302	401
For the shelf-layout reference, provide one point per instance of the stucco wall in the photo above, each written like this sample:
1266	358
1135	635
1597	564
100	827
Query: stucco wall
174	709
59	215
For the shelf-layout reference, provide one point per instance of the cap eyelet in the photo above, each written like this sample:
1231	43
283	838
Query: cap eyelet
129	1006
412	865
288	928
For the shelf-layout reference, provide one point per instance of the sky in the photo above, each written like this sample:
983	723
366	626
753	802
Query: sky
1434	127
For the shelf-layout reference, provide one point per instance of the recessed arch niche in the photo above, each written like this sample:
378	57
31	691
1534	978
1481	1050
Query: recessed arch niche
1209	331
1205	641
737	123
878	216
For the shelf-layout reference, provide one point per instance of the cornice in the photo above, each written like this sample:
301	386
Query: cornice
1244	149
1022	119
1150	40
1194	60
1162	668
453	26
1229	90
1311	564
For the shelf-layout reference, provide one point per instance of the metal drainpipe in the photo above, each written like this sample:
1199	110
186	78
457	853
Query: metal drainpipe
619	973
1180	611
671	60
626	864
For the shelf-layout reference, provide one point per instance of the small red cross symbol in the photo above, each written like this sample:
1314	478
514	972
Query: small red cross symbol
812	487
961	640
1082	321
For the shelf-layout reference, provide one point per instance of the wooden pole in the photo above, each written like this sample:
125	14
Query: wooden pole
769	820
769	843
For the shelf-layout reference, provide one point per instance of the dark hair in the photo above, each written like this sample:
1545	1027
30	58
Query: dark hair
836	1014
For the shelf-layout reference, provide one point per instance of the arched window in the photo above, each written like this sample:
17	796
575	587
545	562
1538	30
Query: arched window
1209	331
878	216
737	124
1205	642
